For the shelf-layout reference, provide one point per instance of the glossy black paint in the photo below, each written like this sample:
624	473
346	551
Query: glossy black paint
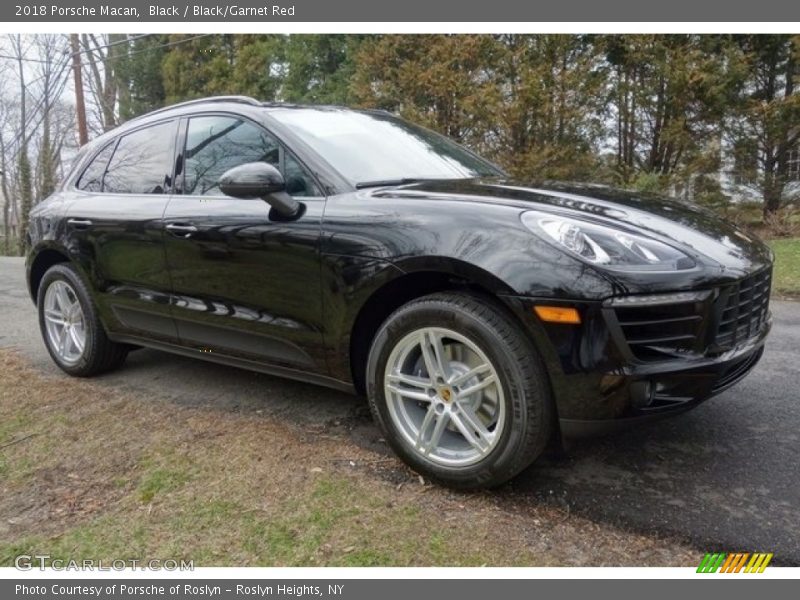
245	284
252	181
231	280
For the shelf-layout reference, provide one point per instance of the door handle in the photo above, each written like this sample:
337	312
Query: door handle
79	223
181	229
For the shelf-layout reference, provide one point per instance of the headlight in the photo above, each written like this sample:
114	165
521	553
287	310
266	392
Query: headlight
607	246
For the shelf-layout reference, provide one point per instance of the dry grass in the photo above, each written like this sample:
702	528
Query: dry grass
90	472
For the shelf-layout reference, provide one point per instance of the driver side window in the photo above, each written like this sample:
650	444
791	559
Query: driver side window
298	181
216	143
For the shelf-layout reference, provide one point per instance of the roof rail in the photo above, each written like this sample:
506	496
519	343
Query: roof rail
239	99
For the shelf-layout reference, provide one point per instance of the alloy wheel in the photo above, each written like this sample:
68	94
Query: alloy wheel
65	322
444	397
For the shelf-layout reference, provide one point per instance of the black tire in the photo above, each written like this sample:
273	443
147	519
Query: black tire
526	389
100	354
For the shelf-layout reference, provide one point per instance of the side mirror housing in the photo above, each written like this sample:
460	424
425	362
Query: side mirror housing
259	180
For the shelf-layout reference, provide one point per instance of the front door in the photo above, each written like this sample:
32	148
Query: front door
244	284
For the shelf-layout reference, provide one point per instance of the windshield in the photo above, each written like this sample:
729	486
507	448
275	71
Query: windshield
377	147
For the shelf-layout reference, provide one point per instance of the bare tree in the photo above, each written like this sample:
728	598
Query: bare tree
103	55
33	127
7	111
52	69
19	48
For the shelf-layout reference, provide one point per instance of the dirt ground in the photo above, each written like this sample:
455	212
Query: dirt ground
88	471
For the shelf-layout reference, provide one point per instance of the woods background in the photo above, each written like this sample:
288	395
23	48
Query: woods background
713	119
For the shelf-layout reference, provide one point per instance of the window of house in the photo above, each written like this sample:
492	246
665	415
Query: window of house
793	164
745	158
142	162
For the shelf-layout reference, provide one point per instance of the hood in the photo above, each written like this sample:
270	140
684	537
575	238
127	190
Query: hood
697	231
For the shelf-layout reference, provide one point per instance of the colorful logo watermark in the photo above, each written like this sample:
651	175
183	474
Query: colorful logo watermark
744	562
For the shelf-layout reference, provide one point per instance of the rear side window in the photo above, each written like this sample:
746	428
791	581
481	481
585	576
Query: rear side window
142	162
92	178
215	144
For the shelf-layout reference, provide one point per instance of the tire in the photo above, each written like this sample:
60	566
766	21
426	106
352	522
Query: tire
97	354
513	404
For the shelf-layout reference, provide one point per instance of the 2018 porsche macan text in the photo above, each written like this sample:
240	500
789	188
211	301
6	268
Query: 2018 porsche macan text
482	317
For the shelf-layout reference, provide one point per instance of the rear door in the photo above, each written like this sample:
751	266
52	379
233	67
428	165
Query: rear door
115	230
246	284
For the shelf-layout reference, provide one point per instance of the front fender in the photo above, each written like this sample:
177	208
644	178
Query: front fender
485	242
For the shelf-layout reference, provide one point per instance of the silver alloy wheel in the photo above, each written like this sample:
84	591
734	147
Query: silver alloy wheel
64	322
444	397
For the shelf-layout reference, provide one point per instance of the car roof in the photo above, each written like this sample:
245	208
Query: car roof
242	101
184	108
241	104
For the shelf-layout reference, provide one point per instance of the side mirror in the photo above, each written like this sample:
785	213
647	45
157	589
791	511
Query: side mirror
259	180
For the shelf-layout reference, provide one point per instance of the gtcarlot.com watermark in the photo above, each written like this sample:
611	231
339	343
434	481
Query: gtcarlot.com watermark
29	562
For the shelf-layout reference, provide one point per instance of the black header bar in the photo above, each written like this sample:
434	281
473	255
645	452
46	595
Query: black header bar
441	11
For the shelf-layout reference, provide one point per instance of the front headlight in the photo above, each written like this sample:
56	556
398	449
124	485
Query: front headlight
606	246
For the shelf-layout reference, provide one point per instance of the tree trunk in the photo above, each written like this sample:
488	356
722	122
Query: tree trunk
772	197
119	56
25	187
46	174
779	146
103	89
6	198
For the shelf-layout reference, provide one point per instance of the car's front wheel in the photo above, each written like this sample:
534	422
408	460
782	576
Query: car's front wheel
70	326
459	391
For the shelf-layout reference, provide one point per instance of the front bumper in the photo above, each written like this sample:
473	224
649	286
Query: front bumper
604	378
649	397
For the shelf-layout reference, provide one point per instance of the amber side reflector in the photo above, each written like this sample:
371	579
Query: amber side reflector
558	314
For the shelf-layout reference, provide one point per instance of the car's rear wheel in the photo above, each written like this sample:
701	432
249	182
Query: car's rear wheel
70	326
459	391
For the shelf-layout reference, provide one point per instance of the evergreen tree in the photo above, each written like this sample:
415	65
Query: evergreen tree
259	66
199	67
764	125
319	68
667	95
140	81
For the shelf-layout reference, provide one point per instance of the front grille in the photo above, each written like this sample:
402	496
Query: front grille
746	307
724	319
655	332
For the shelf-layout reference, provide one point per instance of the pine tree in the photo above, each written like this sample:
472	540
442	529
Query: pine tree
764	124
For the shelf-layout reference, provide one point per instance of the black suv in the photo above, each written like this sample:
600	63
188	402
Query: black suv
352	249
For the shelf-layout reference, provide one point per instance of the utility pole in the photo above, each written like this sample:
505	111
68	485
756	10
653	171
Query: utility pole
80	105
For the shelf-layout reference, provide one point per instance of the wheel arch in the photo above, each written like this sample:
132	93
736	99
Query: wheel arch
42	260
419	277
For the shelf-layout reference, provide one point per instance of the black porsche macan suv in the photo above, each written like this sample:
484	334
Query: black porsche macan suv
480	316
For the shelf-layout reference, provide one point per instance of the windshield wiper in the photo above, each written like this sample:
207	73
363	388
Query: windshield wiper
386	182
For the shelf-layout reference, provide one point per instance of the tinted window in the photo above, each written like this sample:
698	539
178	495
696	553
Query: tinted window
298	181
215	144
142	162
368	147
92	178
